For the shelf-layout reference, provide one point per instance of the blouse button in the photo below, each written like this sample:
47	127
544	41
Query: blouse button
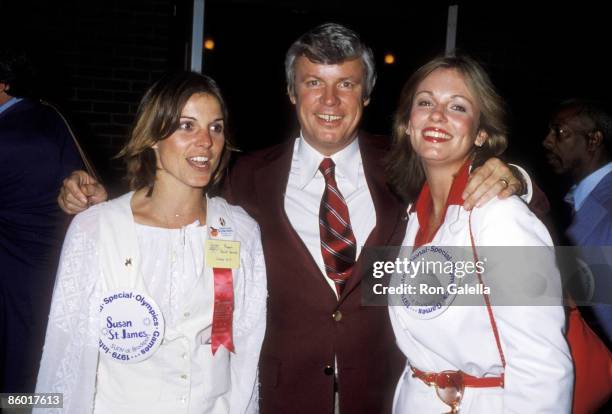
184	376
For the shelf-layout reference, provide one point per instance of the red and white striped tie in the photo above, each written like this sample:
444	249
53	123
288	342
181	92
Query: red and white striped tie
338	244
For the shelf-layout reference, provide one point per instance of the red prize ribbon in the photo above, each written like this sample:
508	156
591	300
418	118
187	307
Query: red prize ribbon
223	310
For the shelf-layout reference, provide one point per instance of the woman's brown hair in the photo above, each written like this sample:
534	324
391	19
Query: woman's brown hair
404	168
158	117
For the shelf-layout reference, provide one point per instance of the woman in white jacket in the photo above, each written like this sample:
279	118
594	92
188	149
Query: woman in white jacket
159	302
484	358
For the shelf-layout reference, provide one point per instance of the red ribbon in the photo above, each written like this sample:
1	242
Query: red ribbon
223	310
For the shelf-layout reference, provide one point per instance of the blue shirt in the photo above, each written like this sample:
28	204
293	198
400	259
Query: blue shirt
8	104
578	193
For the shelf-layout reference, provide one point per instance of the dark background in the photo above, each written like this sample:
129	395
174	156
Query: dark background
95	58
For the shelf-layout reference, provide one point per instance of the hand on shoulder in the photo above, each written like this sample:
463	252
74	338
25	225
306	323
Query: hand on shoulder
79	191
493	178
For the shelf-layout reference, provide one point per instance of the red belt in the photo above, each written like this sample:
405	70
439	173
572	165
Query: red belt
435	378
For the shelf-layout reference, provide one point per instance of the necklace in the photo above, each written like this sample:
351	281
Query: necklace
180	219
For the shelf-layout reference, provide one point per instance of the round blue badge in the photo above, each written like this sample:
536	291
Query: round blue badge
131	326
431	283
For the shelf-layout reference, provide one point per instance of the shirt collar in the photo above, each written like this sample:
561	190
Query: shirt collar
569	197
424	203
588	184
347	160
8	104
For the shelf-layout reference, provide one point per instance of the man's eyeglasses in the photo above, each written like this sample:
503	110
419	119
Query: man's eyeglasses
561	132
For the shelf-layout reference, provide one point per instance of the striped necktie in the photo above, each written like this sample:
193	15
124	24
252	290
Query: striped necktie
338	244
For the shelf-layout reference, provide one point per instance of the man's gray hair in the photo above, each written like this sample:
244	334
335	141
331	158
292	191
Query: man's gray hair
331	44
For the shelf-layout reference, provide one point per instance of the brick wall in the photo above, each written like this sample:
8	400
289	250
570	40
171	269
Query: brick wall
95	58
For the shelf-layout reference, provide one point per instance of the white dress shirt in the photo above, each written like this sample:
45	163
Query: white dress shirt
305	188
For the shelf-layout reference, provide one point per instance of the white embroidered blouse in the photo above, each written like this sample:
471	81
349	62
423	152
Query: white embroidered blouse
182	376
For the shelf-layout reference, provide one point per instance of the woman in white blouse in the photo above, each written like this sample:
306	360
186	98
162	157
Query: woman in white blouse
473	359
159	302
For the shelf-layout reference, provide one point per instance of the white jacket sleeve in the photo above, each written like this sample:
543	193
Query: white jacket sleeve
249	324
539	371
70	354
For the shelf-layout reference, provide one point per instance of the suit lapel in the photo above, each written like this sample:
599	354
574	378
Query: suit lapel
391	215
271	183
389	210
270	186
586	221
592	212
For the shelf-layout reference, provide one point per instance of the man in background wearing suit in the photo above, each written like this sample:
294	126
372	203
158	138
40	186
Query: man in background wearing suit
319	198
579	144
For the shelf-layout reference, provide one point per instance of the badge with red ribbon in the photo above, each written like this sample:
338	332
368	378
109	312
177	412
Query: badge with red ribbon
222	256
223	310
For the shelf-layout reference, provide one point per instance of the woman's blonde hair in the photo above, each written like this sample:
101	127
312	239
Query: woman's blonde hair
405	171
158	117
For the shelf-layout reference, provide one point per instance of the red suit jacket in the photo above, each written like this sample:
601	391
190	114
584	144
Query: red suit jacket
302	336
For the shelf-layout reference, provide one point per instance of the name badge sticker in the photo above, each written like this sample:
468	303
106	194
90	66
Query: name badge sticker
222	254
131	326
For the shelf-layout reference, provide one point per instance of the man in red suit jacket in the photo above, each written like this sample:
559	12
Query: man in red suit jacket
323	352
